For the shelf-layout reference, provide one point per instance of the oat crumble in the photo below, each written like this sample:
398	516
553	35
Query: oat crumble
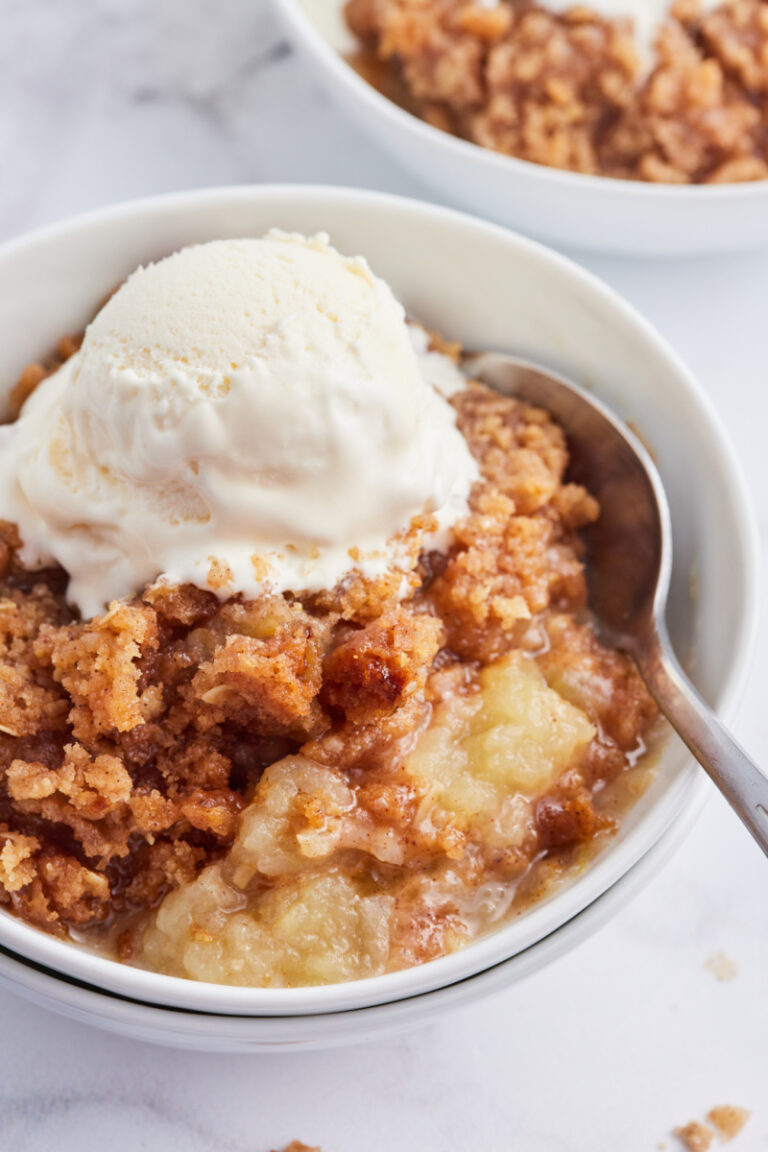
313	788
571	90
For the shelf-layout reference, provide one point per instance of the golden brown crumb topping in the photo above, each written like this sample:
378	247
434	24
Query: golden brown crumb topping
317	788
571	91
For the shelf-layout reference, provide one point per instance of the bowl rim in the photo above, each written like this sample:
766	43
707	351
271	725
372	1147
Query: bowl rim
140	984
306	31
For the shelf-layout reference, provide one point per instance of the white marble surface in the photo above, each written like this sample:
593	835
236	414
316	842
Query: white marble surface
102	100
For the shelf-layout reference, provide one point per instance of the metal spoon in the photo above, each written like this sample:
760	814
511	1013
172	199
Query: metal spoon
629	551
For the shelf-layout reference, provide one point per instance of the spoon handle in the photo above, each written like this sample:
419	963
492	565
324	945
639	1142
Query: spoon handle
735	774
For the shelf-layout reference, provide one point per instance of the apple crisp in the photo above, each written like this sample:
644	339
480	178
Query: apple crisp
573	90
304	789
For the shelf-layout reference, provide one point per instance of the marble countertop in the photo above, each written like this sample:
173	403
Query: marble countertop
631	1034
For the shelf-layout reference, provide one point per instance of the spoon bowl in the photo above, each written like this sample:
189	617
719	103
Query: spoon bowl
629	564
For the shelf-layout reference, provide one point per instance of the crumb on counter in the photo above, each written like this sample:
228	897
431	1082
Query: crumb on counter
722	967
694	1136
297	1146
728	1120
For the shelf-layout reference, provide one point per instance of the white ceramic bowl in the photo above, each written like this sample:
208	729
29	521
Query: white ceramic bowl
203	1032
490	289
584	212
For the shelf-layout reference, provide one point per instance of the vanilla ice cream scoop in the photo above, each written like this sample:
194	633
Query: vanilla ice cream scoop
243	414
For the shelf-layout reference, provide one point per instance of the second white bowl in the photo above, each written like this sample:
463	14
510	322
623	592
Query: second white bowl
591	213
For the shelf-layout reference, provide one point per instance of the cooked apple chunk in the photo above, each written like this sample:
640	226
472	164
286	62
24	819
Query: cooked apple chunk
487	755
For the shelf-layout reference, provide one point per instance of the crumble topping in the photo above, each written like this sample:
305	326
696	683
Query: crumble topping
571	90
309	788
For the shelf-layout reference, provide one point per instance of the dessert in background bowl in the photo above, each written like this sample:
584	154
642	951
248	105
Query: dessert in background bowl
666	92
620	126
389	728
